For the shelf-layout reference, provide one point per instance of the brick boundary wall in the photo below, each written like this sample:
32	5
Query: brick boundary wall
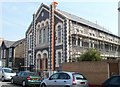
95	71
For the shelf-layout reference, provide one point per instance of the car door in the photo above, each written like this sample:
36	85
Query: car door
21	77
52	81
63	80
17	78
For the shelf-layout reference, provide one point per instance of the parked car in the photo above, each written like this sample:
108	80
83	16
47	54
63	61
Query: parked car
26	78
6	74
65	79
113	81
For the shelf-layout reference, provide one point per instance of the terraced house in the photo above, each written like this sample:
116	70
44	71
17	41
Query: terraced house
12	53
72	36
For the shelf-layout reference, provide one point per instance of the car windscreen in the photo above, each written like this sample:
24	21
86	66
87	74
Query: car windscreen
78	76
8	70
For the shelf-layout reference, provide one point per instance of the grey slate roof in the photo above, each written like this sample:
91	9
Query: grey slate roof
79	20
83	21
8	43
17	42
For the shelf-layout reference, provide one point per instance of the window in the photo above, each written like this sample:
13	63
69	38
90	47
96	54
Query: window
64	76
54	76
80	42
42	14
1	53
77	29
30	41
59	58
47	31
81	31
42	25
19	74
79	76
4	53
90	43
59	34
48	35
29	59
40	36
44	36
90	34
74	40
10	52
8	70
39	26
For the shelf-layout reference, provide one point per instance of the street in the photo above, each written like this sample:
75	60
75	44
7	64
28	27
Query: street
8	84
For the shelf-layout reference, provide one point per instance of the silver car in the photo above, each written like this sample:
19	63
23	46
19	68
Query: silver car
65	79
6	74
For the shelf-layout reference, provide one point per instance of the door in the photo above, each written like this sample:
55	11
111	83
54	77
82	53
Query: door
21	77
63	80
113	69
17	78
52	81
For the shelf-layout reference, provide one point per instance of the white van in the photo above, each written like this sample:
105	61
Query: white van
6	74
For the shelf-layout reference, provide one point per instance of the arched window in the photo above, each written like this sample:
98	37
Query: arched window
59	58
38	25
59	34
45	61
47	29
44	40
40	36
38	61
48	34
42	24
30	41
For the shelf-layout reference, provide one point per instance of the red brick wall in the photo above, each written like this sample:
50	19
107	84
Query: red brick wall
95	72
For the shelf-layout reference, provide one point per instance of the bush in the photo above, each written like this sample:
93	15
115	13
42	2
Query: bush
90	55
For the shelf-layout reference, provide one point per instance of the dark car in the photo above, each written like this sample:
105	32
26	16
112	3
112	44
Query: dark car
113	81
26	78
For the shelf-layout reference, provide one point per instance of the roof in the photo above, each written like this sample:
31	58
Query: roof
6	68
77	19
84	21
8	43
17	42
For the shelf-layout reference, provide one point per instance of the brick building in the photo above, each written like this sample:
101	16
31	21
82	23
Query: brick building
72	36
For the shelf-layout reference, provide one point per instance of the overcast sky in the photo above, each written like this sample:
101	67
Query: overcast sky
15	17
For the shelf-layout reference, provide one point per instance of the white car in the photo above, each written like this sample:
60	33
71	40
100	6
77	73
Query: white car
6	74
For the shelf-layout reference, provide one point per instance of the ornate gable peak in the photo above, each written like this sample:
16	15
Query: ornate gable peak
42	5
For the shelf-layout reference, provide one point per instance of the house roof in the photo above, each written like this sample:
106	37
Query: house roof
17	42
8	43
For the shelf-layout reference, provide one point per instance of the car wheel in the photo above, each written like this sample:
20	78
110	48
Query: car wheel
23	83
12	81
3	79
43	85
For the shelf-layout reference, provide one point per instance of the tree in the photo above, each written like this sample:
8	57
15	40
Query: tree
90	55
